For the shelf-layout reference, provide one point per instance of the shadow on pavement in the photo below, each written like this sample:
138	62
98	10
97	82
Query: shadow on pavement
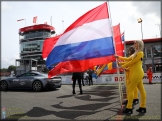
105	96
90	107
104	93
38	112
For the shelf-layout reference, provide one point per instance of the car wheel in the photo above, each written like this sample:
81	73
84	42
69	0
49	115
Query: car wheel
59	86
4	85
37	86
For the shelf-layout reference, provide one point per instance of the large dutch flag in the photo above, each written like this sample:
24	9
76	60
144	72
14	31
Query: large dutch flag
85	43
48	45
111	67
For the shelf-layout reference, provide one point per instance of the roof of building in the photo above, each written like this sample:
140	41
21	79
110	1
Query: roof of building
151	40
36	27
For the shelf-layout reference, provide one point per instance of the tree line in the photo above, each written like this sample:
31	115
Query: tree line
9	69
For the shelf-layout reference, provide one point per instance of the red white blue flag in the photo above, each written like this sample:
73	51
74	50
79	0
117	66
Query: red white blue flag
48	45
111	67
85	43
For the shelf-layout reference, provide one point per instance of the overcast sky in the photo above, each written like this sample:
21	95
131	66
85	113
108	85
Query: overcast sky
125	12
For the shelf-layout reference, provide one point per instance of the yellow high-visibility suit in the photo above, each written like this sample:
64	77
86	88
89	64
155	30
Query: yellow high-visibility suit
135	79
128	71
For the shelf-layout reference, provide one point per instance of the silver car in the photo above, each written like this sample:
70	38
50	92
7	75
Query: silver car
32	79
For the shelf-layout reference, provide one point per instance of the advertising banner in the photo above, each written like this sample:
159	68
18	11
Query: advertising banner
113	79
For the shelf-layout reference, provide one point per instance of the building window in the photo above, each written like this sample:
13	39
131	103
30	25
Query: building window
127	52
144	52
46	34
39	34
157	68
31	46
157	51
148	52
21	37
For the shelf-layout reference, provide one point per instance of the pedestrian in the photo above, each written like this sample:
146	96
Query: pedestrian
82	78
136	77
77	76
86	78
149	74
90	72
129	71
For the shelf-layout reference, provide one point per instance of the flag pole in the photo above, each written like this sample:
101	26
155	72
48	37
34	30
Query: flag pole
25	22
125	56
51	20
120	84
124	45
120	89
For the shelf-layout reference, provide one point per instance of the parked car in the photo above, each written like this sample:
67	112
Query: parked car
32	79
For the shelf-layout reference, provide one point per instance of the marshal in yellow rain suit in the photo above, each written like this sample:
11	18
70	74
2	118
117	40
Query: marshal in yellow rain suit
128	71
135	78
128	75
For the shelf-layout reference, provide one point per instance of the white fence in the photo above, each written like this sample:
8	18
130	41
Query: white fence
113	79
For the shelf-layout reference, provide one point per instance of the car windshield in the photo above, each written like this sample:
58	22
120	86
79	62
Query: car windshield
43	73
36	72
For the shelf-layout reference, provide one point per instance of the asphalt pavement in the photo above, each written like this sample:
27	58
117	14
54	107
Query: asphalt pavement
98	102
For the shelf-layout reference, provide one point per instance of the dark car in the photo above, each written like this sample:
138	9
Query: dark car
33	79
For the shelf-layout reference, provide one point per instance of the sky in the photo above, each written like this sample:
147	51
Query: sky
124	12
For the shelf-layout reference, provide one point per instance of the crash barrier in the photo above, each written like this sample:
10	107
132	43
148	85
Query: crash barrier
113	79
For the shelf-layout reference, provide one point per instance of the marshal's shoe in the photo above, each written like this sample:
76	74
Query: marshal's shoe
129	111
141	110
135	101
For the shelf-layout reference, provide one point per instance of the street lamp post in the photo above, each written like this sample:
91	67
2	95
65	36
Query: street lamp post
159	28
140	21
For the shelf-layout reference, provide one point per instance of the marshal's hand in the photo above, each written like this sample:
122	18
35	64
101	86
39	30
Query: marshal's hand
116	56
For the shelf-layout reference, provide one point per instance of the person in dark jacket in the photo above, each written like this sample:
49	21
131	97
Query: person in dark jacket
82	78
90	72
77	76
